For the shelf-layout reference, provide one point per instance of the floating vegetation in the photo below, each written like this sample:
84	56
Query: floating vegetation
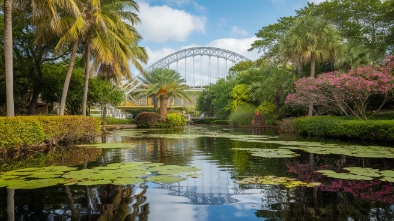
274	180
270	153
360	173
347	150
116	173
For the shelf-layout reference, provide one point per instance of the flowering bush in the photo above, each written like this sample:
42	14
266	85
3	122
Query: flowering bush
349	92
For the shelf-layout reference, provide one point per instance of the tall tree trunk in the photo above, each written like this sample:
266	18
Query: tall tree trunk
33	102
313	67
9	75
10	204
163	107
104	118
68	78
86	84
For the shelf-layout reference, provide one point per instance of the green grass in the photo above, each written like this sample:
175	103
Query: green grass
111	120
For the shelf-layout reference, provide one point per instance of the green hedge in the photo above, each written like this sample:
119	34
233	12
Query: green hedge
329	126
35	130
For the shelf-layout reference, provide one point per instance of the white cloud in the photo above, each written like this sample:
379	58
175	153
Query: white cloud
237	31
317	1
240	46
162	23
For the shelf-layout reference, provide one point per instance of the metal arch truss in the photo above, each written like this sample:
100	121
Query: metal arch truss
136	84
191	52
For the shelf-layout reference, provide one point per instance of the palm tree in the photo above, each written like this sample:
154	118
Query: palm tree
311	40
8	57
355	56
106	30
164	83
109	37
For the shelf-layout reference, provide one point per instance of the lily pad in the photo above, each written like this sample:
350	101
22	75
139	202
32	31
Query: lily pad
270	153
369	172
126	181
34	184
165	179
117	173
93	182
274	180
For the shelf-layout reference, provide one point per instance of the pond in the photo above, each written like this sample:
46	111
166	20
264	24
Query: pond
206	173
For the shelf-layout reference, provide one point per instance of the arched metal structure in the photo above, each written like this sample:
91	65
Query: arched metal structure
198	51
135	84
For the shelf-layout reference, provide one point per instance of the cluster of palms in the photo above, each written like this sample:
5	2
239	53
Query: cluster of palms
103	28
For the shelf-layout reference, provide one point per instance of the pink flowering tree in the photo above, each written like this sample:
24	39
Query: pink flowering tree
349	92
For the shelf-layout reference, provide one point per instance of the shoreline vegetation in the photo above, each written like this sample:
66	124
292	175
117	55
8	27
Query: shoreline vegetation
23	133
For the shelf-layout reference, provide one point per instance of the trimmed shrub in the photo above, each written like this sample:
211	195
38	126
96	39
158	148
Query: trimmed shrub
329	126
70	129
21	131
147	119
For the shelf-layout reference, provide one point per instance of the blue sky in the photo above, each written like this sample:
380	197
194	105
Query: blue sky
168	26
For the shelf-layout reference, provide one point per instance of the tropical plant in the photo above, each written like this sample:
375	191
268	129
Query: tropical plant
111	39
240	95
107	32
311	40
164	83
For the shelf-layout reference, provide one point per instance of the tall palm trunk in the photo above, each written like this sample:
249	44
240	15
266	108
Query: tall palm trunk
8	57
163	107
68	78
86	84
313	67
10	204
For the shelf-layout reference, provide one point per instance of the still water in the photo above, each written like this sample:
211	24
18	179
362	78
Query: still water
224	157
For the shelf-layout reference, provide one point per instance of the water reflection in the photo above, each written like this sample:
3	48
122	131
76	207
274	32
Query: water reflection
213	195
